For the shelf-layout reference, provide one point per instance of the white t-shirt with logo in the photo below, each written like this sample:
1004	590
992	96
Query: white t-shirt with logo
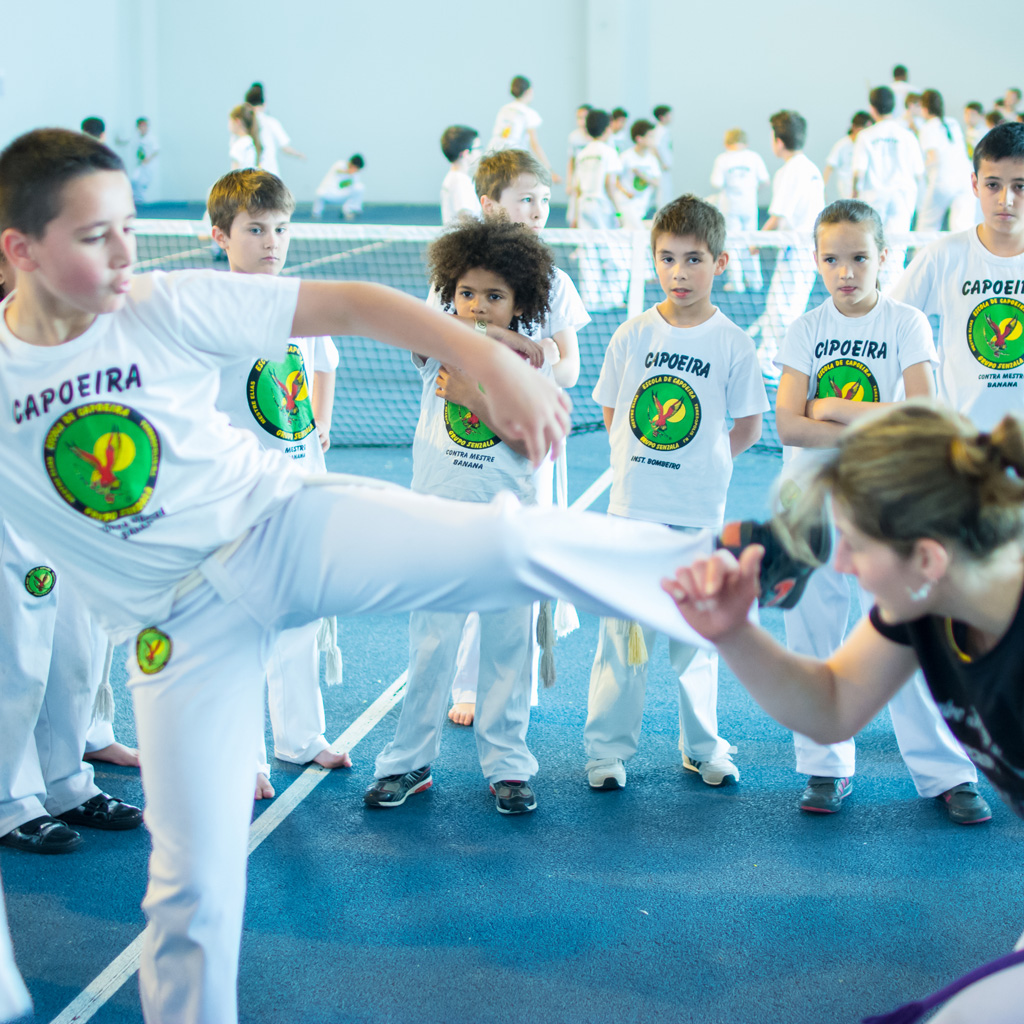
737	173
339	179
272	397
951	168
674	390
840	159
647	165
512	125
456	455
887	161
979	299
458	196
593	165
798	193
859	358
116	459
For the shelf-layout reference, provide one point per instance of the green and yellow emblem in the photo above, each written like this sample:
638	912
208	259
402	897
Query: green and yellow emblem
103	459
279	396
995	333
152	650
465	428
665	413
849	379
40	580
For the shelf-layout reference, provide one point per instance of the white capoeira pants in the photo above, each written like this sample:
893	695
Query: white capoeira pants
50	668
935	760
14	998
502	715
786	299
335	548
744	268
349	199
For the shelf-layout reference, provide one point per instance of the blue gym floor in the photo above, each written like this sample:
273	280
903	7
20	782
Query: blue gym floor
668	901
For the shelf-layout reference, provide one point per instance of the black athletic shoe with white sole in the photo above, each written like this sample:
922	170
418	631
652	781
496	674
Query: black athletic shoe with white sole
394	790
783	577
513	796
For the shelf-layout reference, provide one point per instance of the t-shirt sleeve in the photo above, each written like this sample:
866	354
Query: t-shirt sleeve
784	194
898	633
532	118
745	393
567	312
832	160
325	355
762	170
226	316
917	344
795	350
606	390
919	285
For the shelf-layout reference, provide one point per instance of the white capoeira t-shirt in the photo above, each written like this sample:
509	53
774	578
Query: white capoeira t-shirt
117	462
273	398
272	138
673	390
859	358
798	193
737	173
979	299
512	126
458	196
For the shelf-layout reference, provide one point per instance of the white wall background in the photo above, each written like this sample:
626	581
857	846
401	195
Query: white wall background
384	79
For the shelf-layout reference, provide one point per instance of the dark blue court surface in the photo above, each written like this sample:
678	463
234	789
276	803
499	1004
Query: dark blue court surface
669	901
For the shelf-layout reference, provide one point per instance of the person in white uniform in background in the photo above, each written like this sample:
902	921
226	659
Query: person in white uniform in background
461	147
516	125
663	147
947	170
638	179
578	138
738	173
275	139
839	162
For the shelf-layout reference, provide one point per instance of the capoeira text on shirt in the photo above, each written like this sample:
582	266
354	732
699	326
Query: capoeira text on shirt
678	361
85	384
867	349
984	287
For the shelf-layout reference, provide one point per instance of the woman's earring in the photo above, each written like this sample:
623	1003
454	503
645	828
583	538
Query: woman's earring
922	591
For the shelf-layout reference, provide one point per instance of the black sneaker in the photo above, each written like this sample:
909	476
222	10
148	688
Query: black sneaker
825	795
43	835
393	790
106	812
513	796
965	805
783	577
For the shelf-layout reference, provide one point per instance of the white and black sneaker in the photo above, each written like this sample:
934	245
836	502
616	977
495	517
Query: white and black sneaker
393	790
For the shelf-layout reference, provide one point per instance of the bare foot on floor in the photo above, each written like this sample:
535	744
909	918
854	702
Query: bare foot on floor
115	753
462	714
264	790
329	759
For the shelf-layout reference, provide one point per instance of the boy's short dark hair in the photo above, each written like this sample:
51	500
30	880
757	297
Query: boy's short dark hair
512	251
250	190
883	99
1004	142
975	106
357	161
254	94
519	86
861	119
456	139
689	215
585	106
94	126
790	129
618	113
660	111
141	120
994	118
912	97
1016	92
497	171
36	166
899	73
597	123
640	128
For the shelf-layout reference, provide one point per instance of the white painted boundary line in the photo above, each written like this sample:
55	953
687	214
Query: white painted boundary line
92	998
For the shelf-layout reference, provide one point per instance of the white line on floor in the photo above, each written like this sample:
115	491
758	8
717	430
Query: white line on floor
88	1002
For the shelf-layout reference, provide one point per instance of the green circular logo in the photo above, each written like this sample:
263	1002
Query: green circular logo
665	413
103	459
152	650
639	184
849	379
40	580
995	333
465	428
279	396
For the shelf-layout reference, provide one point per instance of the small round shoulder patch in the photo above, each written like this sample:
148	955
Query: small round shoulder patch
152	650
40	580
